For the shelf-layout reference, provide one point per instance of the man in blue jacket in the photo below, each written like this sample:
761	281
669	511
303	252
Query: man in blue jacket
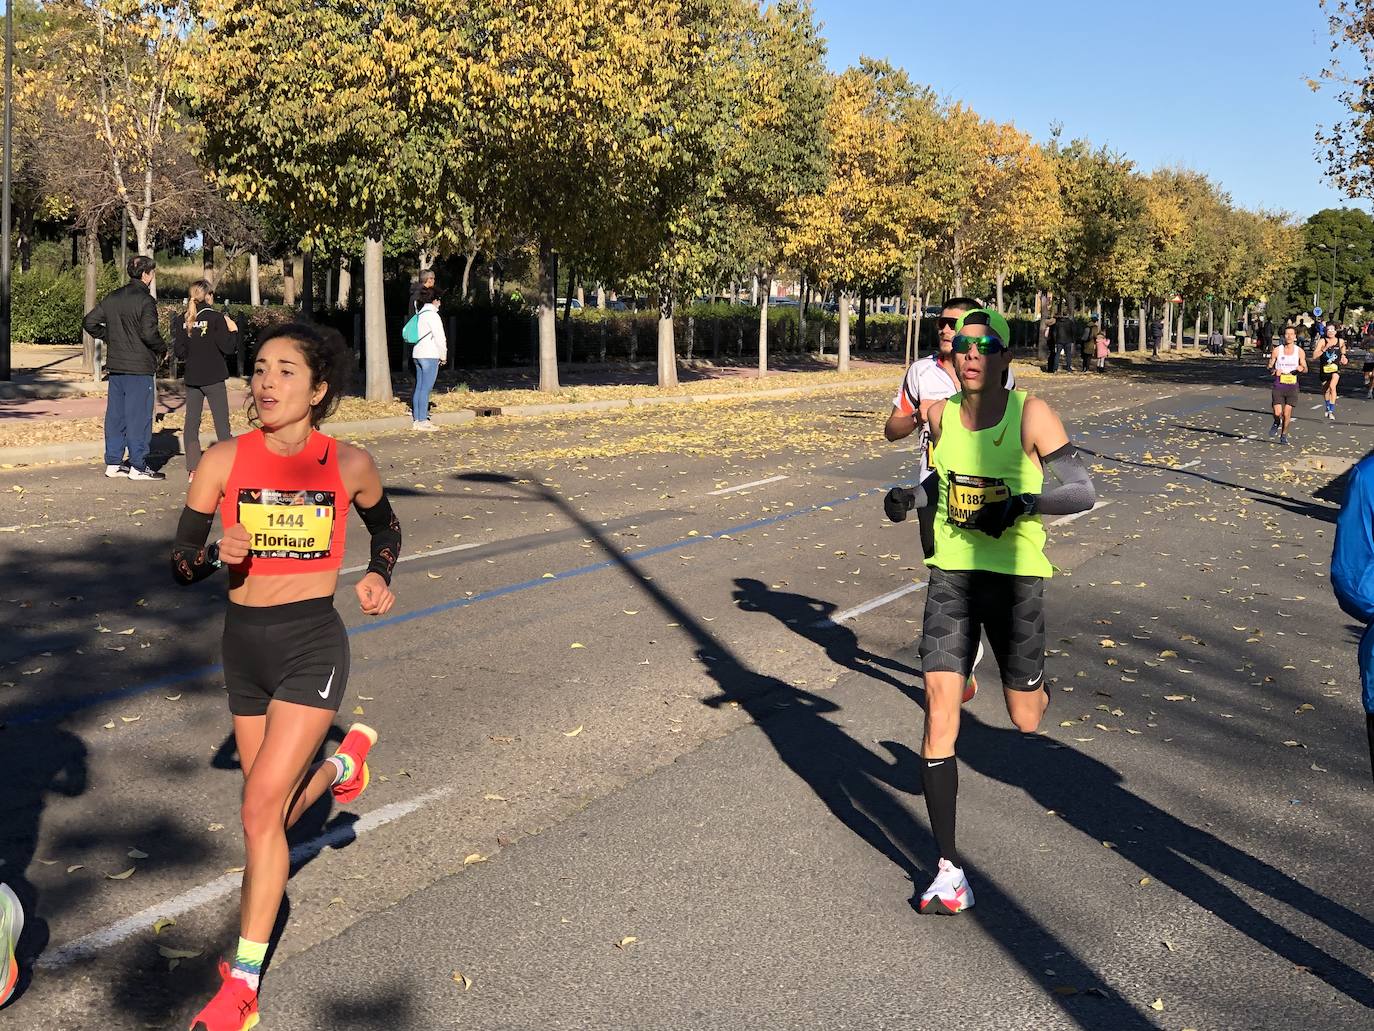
1352	574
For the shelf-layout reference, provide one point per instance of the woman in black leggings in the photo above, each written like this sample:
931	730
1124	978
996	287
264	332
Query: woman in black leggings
203	339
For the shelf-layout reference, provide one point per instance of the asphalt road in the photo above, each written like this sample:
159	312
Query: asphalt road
640	765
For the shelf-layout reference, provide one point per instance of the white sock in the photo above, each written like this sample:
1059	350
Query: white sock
252	980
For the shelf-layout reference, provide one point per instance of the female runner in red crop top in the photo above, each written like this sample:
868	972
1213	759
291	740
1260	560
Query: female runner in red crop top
283	492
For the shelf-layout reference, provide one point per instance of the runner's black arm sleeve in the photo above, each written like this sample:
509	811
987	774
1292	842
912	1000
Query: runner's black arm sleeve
192	559
1068	486
385	528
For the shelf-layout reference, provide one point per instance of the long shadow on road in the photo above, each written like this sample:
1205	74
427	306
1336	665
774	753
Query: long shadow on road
1092	798
861	788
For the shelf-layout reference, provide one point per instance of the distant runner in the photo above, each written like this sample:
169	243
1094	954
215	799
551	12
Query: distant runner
1286	363
1328	355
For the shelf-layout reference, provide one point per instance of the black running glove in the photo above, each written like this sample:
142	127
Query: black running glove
899	501
996	518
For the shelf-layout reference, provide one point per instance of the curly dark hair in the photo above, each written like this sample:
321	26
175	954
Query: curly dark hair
328	356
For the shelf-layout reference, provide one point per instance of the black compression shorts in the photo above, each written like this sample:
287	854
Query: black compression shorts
296	652
961	605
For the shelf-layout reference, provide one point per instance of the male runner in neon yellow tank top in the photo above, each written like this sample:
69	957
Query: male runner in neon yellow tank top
1001	458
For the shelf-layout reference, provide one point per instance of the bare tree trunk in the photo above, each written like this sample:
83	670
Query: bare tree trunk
1197	326
92	277
468	259
254	281
763	323
374	311
1120	325
754	292
1211	328
1226	320
548	329
1168	338
329	270
345	295
288	280
601	296
1178	346
1044	303
910	326
801	314
308	285
1001	280
957	265
842	348
1140	329
667	346
427	257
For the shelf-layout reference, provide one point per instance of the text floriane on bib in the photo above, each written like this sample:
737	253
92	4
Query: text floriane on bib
287	523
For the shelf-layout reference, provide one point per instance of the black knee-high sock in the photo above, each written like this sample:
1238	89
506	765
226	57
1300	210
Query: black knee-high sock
940	782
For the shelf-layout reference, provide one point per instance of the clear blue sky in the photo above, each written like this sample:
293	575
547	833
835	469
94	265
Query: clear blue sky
1216	85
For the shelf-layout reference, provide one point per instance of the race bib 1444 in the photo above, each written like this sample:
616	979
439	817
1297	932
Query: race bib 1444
288	523
968	494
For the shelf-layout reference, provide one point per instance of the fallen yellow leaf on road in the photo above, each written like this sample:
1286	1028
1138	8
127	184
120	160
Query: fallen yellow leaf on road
574	732
476	857
123	876
461	978
625	943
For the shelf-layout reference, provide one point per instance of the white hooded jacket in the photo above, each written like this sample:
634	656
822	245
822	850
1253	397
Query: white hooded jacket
433	342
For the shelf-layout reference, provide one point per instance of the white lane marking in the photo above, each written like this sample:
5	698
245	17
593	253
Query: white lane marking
1189	465
1078	515
89	944
422	554
1316	406
870	605
744	486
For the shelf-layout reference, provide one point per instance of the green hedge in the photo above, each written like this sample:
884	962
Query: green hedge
47	306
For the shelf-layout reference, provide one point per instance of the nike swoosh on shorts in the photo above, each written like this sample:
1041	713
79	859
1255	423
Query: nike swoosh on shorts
327	684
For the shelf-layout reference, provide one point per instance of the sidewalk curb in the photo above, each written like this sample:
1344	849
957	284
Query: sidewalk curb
94	450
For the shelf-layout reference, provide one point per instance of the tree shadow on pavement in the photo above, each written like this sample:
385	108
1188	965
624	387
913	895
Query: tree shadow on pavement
1302	508
1091	797
56	845
812	618
857	785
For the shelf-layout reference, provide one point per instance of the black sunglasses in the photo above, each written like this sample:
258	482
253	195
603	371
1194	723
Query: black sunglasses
945	322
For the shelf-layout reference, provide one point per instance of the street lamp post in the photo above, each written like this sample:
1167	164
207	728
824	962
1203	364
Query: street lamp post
8	130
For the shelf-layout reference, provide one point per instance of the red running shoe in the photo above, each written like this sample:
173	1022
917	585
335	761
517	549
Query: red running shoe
234	1007
971	688
356	744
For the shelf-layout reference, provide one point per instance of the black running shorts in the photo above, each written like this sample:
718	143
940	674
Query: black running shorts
1283	394
962	604
296	652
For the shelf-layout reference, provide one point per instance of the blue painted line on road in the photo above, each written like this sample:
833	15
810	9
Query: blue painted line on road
57	710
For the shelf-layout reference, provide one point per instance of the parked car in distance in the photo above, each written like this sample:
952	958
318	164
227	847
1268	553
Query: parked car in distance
930	311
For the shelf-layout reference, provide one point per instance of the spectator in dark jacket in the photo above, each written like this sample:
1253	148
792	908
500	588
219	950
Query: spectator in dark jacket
127	321
1063	337
203	338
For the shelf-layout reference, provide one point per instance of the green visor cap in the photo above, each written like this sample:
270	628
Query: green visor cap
986	317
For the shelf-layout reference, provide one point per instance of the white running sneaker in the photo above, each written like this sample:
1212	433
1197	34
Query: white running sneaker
116	470
949	893
11	927
425	427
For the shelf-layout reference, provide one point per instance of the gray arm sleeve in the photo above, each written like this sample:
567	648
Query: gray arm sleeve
1068	487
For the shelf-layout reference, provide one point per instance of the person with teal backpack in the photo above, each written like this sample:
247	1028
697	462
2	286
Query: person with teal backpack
1000	459
429	349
